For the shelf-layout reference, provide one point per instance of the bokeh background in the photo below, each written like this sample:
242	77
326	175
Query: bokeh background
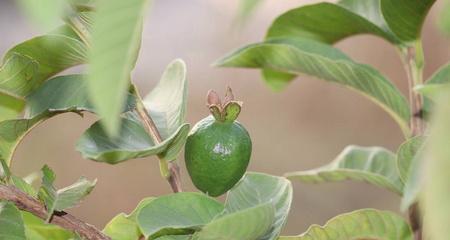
300	128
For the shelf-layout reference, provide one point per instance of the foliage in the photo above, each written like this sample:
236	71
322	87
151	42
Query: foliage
105	35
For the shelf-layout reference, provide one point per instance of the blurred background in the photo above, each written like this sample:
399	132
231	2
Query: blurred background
301	128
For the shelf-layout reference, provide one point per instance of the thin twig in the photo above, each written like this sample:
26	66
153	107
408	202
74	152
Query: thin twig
62	219
171	171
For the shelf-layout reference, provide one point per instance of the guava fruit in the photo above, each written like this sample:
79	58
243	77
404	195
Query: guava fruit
218	148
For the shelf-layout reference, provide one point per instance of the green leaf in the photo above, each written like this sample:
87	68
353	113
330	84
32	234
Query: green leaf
12	132
166	105
10	106
132	142
27	65
405	155
22	185
444	19
58	95
322	61
175	214
115	41
125	227
405	17
435	198
47	13
59	200
175	237
37	229
11	222
374	165
409	162
122	228
360	224
62	94
167	101
246	8
436	84
348	18
268	189
251	223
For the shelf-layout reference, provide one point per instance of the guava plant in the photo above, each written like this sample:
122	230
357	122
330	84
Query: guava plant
105	35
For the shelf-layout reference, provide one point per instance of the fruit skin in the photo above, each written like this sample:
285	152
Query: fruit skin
217	155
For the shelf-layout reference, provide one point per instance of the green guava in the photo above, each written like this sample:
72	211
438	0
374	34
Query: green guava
218	148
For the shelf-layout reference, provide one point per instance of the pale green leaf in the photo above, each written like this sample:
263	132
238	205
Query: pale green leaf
175	237
444	18
348	18
436	190
122	228
405	17
166	105
322	61
125	227
257	188
177	214
11	222
63	94
374	165
437	83
132	142
360	224
116	33
34	61
37	229
46	13
405	155
58	95
251	224
22	185
59	200
10	106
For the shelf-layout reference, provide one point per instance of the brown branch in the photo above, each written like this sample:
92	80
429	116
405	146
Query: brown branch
62	219
173	176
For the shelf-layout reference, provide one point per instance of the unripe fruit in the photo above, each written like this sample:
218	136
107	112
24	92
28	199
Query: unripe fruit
218	148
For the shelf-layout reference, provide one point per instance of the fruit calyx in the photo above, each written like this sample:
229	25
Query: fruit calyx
226	111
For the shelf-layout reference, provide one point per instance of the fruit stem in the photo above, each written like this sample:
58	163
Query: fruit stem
169	171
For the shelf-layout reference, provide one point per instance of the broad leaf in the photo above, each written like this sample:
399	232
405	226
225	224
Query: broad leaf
122	228
348	18
436	190
374	165
322	61
11	222
436	84
175	237
132	142
116	33
44	56
12	132
405	155
22	185
58	95
125	227
59	200
405	17
257	188
37	229
166	105
177	213
63	94
10	106
251	223
360	224
47	13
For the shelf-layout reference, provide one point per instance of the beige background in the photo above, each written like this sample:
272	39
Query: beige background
303	127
